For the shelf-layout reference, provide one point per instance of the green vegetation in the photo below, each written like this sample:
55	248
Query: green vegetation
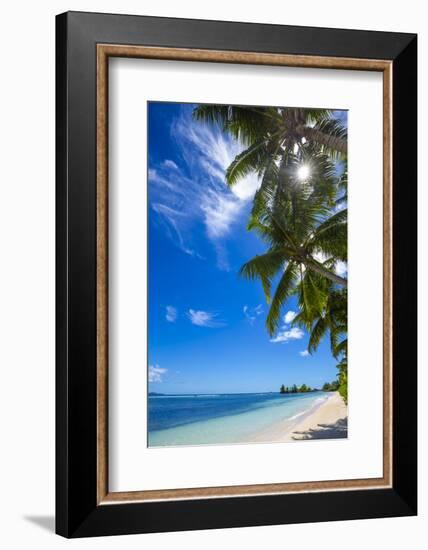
343	378
331	386
294	389
299	211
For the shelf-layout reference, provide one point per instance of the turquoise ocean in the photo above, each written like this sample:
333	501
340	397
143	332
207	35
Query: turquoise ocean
207	419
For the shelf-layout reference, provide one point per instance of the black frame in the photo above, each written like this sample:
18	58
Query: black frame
77	513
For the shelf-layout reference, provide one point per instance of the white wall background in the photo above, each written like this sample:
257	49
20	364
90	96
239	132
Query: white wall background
27	272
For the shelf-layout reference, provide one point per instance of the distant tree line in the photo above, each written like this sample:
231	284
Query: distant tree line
328	386
331	386
294	389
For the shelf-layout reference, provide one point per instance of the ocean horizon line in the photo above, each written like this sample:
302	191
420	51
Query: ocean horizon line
190	394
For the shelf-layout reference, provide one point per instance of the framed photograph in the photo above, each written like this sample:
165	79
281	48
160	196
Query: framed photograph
236	274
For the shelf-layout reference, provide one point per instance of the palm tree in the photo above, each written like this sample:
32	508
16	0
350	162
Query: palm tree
272	133
343	378
296	211
323	316
292	216
306	237
325	313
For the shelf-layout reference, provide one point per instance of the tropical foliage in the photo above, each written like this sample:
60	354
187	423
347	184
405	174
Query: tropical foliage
331	386
294	389
299	211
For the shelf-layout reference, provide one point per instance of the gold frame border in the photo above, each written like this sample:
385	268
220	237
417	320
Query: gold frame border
104	51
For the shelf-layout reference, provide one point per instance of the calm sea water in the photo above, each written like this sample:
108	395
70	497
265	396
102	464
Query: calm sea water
222	418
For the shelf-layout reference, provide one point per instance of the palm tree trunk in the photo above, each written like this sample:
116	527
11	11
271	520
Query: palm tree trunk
333	142
318	268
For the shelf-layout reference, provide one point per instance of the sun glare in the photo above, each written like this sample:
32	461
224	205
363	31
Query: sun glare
303	172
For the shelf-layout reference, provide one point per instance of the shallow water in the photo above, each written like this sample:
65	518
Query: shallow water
222	418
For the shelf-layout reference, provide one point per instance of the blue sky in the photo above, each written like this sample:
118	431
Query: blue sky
206	324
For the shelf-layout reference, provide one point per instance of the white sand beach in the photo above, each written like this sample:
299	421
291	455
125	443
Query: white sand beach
327	421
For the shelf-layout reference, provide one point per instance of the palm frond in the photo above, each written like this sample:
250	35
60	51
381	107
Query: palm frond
318	332
331	237
264	267
250	124
341	347
212	113
313	296
283	291
302	320
336	145
246	162
245	123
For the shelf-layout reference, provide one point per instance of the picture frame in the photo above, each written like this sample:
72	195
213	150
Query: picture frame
84	44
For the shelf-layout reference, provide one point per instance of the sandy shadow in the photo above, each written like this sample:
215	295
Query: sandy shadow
337	430
45	522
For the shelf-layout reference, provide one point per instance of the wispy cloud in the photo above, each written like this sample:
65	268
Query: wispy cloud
204	319
172	221
168	163
215	152
289	317
251	313
304	353
196	191
220	211
171	314
156	373
284	336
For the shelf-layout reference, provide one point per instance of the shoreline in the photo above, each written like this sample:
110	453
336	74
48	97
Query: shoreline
329	420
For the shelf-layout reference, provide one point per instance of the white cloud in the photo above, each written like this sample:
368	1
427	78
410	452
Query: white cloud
215	153
341	268
321	257
196	191
156	373
220	211
203	318
289	317
222	257
251	313
172	219
304	353
169	164
171	314
283	336
207	149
